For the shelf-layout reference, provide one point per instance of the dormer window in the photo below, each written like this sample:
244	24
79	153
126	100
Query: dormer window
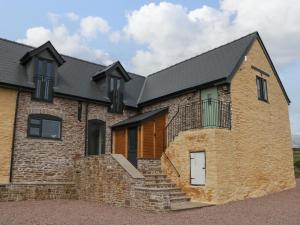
44	80
43	63
115	76
115	95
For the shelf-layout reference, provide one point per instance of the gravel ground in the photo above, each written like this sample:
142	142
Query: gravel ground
277	209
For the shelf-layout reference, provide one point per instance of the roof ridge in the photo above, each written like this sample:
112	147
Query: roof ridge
72	57
30	46
203	53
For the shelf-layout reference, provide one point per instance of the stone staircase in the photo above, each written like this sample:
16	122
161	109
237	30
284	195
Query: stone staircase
156	180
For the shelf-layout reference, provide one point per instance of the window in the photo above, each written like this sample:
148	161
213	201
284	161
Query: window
43	80
262	90
44	126
116	95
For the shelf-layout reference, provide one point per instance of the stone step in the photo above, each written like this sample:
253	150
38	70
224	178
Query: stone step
170	189
155	176
161	185
157	181
152	168
152	172
177	194
180	199
177	206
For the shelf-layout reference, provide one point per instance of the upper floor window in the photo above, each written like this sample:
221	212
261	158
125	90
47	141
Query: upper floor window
262	90
44	126
116	95
44	80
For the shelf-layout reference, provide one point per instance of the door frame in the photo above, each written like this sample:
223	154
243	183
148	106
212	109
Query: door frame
201	151
99	123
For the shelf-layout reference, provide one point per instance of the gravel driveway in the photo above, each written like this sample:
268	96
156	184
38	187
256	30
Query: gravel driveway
281	208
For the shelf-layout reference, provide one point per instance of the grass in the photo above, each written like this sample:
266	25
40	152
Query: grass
297	163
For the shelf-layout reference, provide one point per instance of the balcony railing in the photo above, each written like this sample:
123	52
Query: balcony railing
208	113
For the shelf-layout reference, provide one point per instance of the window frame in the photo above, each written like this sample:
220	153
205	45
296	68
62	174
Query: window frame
44	79
42	117
115	93
262	89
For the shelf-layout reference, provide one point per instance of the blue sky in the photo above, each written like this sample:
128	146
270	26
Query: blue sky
150	35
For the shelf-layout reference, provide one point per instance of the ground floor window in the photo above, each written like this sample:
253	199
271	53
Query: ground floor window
44	126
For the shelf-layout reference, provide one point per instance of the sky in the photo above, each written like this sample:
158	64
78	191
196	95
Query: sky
150	35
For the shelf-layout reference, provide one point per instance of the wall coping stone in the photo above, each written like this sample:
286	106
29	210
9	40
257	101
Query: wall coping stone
127	166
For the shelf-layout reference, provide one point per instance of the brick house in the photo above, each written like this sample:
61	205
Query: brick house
211	129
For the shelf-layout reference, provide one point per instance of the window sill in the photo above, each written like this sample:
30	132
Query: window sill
44	138
42	100
263	100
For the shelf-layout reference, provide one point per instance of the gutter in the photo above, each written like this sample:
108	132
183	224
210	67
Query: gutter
14	136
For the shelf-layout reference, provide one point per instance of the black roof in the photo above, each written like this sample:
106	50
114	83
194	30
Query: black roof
59	59
140	118
75	75
216	64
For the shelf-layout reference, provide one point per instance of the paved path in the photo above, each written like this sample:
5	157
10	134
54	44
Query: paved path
276	209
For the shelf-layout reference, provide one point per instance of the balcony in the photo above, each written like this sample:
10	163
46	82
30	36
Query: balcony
209	113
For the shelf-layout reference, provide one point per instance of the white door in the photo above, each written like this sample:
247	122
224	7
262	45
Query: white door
197	168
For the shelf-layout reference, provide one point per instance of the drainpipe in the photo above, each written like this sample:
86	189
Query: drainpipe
86	128
14	136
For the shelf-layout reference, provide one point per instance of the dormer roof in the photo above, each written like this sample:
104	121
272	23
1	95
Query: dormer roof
115	66
47	46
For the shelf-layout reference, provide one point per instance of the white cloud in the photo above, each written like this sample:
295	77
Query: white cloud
53	17
65	42
172	33
115	37
90	26
72	16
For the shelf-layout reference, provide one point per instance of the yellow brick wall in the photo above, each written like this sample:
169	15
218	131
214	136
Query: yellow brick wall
261	155
179	154
7	115
252	159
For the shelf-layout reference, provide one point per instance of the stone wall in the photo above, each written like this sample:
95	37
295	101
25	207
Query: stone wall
45	160
7	115
111	179
37	191
173	103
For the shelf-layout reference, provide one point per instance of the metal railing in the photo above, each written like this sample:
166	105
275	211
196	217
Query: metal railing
209	113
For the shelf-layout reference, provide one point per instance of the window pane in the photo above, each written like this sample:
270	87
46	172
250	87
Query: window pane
112	83
118	84
49	69
258	87
51	128
40	65
35	121
34	131
46	90
265	90
38	86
